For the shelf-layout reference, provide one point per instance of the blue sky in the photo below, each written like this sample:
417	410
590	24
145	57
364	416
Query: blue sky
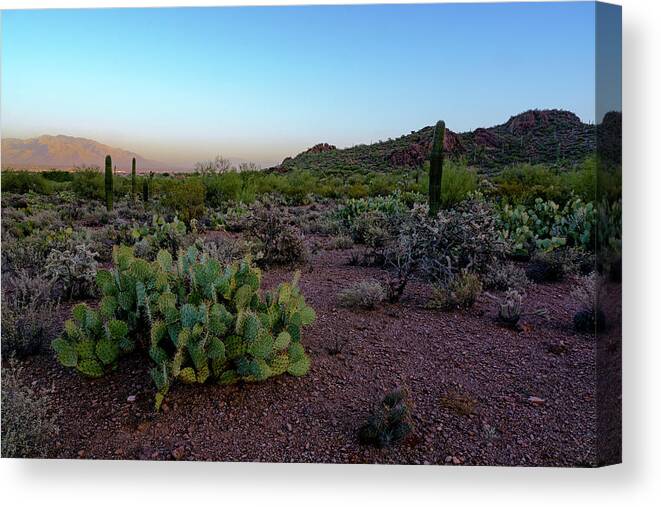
261	83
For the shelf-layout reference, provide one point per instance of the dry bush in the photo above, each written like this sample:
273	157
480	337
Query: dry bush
366	295
27	429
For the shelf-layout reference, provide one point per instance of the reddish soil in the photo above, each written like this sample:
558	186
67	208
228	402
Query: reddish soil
470	382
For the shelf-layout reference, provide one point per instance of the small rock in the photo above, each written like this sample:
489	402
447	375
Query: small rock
448	459
289	428
178	453
534	400
131	398
456	461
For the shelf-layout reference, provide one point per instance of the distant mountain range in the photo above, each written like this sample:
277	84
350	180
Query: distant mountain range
66	152
535	136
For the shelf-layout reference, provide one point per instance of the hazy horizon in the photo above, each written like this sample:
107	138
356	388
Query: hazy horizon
179	85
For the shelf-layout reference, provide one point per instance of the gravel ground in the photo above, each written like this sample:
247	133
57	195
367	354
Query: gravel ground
481	394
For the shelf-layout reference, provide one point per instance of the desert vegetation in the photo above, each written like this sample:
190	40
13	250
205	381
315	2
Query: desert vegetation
430	312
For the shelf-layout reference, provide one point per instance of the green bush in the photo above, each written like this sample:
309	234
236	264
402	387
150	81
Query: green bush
22	182
198	320
88	183
186	198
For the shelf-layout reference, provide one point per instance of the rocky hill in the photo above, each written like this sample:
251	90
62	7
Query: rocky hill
536	136
67	152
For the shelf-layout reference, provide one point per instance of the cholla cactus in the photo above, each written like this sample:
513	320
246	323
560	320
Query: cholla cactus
73	270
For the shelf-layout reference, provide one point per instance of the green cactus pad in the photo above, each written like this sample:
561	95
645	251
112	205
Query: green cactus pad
107	351
228	377
66	352
158	331
86	348
117	329
79	312
90	367
279	364
164	260
187	376
216	350
250	327
157	354
296	352
262	346
108	306
203	374
300	367
104	280
307	315
282	341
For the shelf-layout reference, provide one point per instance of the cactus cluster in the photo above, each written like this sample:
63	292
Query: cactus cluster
90	344
198	320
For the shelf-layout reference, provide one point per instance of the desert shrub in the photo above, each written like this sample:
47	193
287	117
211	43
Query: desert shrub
458	182
198	321
439	248
73	270
278	240
504	276
186	198
372	228
576	261
589	317
546	267
27	428
353	208
22	182
341	242
28	315
389	423
225	249
57	175
461	292
367	294
88	183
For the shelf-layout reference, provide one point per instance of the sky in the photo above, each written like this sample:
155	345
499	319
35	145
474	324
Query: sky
181	85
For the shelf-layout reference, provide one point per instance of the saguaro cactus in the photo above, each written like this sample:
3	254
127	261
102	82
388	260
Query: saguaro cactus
436	169
108	182
133	182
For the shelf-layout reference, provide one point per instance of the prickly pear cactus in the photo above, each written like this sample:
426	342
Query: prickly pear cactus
199	322
91	345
